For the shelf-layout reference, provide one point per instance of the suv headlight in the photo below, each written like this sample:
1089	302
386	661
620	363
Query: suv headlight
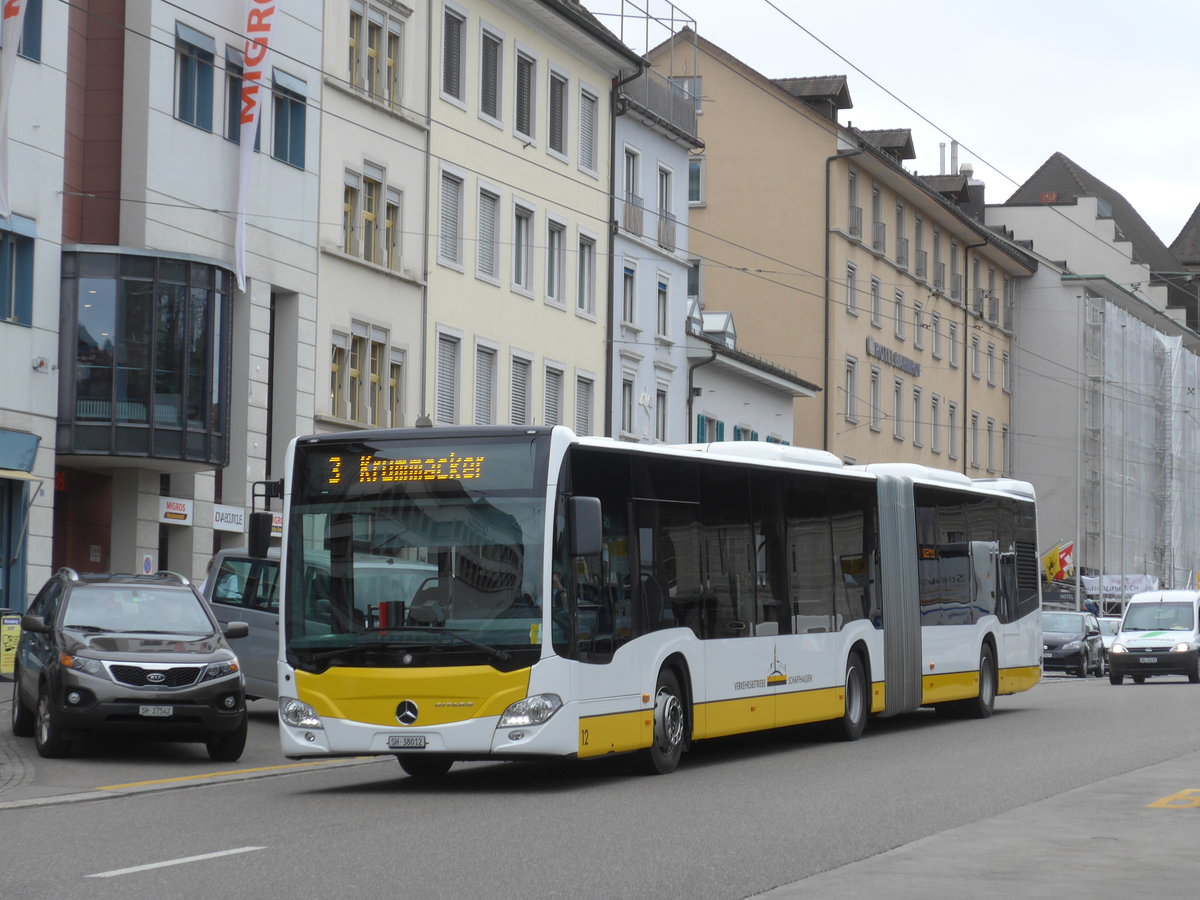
298	714
83	664
535	710
219	669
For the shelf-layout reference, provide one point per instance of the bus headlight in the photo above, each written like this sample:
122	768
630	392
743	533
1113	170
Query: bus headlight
535	710
1117	648
298	715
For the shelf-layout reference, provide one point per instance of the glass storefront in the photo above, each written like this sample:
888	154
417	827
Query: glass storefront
146	351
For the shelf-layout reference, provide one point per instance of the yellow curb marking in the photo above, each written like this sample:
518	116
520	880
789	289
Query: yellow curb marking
201	777
1186	799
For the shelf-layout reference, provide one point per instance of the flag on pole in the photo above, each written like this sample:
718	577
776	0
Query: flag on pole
1059	563
12	23
259	17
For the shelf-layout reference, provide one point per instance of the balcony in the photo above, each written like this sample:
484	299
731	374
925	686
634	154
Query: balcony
653	94
956	286
977	301
879	236
855	221
922	264
939	276
902	252
631	214
666	231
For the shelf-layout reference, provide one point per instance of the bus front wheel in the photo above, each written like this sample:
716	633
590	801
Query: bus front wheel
670	726
854	719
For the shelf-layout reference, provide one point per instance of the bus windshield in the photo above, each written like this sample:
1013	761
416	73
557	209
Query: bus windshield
414	569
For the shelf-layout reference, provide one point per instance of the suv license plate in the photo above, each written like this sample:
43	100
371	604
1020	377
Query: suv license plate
406	742
1149	659
156	712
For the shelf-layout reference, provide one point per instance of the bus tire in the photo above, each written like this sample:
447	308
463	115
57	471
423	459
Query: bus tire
425	766
670	728
858	701
984	703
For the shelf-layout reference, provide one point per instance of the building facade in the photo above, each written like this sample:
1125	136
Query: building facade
520	175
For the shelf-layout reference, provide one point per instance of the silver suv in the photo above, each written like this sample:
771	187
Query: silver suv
138	655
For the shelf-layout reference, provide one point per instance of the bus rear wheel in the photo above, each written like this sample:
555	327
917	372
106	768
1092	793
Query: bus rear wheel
425	766
670	728
984	703
858	702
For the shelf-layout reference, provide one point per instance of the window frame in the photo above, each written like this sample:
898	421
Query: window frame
459	14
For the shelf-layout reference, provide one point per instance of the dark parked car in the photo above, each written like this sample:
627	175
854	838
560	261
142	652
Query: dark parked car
1071	642
137	655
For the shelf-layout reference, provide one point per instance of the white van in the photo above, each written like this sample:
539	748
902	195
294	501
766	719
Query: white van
243	588
1159	635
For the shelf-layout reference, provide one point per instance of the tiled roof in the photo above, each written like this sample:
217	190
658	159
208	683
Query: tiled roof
897	141
953	187
819	87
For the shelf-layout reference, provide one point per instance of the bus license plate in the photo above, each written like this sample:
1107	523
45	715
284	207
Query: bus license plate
156	712
1149	659
406	742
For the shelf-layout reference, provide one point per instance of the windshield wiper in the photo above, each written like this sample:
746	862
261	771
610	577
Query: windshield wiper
94	629
493	652
361	646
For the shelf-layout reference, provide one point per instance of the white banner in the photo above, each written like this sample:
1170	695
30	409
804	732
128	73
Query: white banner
11	24
1123	586
229	518
174	511
259	16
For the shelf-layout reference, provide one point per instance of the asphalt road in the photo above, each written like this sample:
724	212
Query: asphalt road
790	814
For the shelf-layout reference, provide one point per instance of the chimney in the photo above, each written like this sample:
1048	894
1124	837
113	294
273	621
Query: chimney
942	158
954	156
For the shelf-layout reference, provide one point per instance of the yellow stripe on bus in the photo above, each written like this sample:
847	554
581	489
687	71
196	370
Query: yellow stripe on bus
616	732
1019	679
442	695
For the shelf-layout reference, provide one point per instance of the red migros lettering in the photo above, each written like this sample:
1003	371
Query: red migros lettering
259	18
12	8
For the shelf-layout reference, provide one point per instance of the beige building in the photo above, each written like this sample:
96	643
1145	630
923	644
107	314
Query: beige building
520	177
882	287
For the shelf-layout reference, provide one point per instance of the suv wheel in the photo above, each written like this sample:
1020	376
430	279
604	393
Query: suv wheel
22	715
50	743
228	747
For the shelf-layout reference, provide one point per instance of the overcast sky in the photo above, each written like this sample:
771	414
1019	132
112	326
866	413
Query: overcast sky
1114	86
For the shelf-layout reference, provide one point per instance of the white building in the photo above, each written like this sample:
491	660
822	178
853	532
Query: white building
655	137
175	391
30	266
1105	383
373	196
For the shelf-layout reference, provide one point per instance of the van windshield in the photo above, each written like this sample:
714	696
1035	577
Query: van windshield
1159	617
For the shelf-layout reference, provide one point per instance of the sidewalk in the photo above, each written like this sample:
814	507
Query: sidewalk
1133	835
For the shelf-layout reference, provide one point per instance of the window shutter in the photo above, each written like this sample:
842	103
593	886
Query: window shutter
553	396
525	95
448	235
587	131
520	392
558	96
447	376
487	234
720	430
701	430
489	100
485	370
452	55
583	407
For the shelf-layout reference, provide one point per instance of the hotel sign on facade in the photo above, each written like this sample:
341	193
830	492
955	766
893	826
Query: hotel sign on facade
892	358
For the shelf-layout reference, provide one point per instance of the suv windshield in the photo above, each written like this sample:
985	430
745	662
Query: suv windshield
135	608
1158	617
1062	623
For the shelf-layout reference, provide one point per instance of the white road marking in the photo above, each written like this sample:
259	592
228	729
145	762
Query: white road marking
174	862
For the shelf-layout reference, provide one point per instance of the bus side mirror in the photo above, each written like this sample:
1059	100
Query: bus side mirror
587	530
259	538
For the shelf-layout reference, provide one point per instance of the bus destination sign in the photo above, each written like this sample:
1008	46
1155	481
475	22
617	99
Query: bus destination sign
370	469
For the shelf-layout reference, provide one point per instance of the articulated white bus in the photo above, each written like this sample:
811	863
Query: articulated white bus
588	597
